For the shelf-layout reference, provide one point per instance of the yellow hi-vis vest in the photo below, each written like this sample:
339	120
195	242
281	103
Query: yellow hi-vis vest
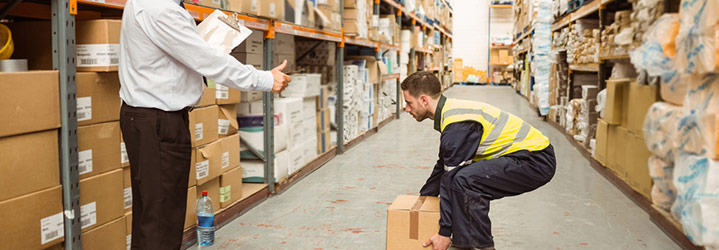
504	133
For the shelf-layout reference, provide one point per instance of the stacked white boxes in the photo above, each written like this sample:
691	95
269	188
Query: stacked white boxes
386	99
302	144
249	116
354	77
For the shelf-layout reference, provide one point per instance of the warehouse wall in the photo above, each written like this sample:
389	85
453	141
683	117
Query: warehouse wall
470	32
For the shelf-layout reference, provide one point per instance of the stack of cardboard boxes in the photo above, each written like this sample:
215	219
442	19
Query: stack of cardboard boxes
215	161
619	138
35	200
356	19
328	16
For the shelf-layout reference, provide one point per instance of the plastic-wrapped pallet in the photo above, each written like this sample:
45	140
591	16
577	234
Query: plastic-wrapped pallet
696	180
663	191
542	48
696	45
661	132
700	125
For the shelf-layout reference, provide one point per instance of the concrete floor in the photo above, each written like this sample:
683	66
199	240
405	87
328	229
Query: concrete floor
343	205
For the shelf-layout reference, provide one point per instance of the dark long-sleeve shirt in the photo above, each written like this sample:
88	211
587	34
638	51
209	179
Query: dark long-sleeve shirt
458	146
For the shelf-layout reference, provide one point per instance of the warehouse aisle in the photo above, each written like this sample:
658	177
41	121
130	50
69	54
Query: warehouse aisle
343	204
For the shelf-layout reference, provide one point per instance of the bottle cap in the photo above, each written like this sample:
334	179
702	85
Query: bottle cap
204	193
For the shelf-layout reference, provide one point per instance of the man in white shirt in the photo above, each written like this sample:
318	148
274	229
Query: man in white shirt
162	62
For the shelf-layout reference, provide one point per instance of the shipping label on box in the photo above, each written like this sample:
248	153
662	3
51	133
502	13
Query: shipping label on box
36	219
225	95
230	186
411	220
230	148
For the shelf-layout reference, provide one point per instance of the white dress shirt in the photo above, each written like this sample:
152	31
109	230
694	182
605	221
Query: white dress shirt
163	59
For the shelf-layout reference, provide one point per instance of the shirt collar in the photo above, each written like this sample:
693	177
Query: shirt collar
438	113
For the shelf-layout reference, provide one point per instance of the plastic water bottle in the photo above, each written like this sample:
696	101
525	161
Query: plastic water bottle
205	221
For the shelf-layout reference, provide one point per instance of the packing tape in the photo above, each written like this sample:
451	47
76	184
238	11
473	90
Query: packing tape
414	218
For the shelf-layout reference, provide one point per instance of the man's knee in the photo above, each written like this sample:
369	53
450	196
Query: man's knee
462	180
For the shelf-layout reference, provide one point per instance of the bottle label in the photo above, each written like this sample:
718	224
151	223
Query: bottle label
205	221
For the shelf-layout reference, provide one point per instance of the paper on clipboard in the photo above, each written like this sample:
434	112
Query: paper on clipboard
220	34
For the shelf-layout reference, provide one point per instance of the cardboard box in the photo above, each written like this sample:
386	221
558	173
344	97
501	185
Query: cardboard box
411	220
615	103
109	236
254	44
213	191
376	68
128	223
36	219
351	14
98	150
641	97
323	119
203	125
233	5
227	95
309	108
251	96
31	100
208	162
256	60
272	9
303	85
323	98
230	187
324	141
283	44
101	200
97	97
277	59
98	45
230	152
208	97
250	6
227	120
209	3
503	56
191	209
352	27
24	171
637	165
350	3
617	150
127	190
600	149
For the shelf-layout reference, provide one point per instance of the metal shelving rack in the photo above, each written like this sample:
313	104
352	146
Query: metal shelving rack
63	28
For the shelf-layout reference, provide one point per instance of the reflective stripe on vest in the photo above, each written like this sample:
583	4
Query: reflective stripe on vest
503	133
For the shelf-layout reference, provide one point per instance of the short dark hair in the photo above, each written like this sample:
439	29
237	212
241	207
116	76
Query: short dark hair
422	83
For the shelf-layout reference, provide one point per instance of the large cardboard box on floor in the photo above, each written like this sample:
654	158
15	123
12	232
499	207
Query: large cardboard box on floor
230	187
227	120
411	220
101	200
110	236
600	148
98	148
229	152
97	97
617	150
637	164
203	125
24	171
127	189
213	191
191	209
208	162
33	221
98	45
31	100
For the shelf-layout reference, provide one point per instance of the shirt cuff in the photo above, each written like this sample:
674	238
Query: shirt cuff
265	81
445	231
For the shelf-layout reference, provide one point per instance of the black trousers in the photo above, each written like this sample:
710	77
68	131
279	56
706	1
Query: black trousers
159	147
468	191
